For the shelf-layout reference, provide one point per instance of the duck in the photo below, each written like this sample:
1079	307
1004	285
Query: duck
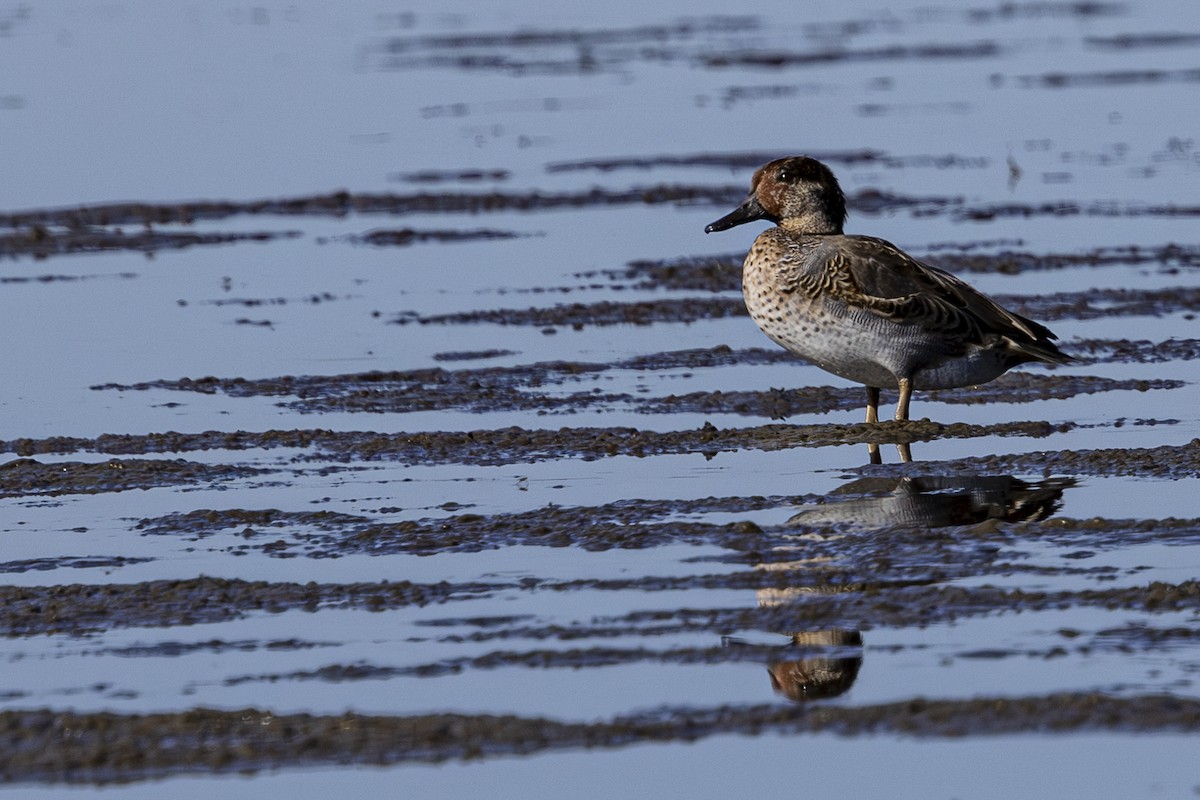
861	308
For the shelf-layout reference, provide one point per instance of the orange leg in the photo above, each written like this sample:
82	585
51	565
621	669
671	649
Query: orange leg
905	396
902	414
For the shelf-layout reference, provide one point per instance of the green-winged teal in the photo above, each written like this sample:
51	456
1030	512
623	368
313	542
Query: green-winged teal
858	306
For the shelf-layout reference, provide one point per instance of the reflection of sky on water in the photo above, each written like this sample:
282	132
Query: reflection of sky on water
157	102
148	101
900	768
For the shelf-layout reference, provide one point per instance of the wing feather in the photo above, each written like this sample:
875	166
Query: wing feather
875	275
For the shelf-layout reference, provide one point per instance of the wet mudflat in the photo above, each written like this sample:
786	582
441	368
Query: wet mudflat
439	440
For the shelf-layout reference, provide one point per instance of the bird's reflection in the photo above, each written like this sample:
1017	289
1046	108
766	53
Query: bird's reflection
825	663
903	450
814	665
935	501
822	674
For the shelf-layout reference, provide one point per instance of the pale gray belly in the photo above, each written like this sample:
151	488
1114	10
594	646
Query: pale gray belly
867	349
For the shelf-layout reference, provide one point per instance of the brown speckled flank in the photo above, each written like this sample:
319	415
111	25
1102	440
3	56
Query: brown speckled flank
861	308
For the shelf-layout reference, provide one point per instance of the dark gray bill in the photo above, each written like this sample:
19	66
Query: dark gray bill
748	211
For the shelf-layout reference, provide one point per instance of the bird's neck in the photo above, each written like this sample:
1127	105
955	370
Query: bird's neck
811	223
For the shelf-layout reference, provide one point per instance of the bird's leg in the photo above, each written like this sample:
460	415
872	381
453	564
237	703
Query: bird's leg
905	396
902	415
873	417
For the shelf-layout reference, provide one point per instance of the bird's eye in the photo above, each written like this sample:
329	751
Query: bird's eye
784	176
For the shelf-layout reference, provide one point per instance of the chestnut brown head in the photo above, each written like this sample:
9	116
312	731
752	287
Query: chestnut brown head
798	193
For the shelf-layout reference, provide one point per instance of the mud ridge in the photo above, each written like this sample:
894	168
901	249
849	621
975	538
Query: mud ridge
83	608
522	388
100	748
575	37
174	649
96	227
1168	461
1091	304
985	522
1140	351
1068	208
338	204
586	315
852	582
451	176
1130	41
571	52
573	658
896	52
1143	636
779	404
807	607
515	445
911	606
754	159
722	273
519	445
1065	80
7	279
472	355
40	242
25	477
70	562
402	237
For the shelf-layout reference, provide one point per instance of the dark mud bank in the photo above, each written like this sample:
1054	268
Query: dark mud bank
55	747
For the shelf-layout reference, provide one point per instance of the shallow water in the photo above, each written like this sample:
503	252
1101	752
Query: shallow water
379	412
